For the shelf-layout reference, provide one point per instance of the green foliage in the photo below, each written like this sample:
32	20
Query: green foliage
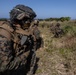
62	19
65	19
3	19
70	29
67	29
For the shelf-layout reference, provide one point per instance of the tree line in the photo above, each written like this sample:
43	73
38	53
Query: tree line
57	19
4	19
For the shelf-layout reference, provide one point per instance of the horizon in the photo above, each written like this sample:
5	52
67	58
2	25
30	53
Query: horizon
43	18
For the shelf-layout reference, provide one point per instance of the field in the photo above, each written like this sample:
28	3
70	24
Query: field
58	56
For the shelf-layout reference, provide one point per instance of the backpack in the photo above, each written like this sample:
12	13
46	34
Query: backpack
5	26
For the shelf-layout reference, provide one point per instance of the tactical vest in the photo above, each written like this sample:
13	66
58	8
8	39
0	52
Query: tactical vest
21	56
12	35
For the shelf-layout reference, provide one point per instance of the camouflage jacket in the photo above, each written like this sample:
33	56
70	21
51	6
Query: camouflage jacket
13	53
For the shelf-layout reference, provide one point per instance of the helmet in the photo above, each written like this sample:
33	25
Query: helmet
20	12
58	24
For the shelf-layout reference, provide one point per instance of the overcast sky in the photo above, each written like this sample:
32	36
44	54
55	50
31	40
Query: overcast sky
43	8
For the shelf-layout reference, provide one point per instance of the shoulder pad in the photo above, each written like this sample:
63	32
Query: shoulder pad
6	25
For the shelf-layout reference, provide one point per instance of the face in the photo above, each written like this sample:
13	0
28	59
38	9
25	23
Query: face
26	25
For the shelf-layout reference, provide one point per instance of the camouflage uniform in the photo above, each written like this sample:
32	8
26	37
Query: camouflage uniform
17	49
36	33
52	28
56	30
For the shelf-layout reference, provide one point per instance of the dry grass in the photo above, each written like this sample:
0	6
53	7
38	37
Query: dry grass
58	55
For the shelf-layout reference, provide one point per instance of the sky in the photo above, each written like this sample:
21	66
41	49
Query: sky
43	8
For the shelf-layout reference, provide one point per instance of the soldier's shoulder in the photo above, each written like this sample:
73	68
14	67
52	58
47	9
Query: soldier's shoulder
6	25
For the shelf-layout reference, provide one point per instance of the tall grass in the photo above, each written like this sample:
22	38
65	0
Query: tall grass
64	47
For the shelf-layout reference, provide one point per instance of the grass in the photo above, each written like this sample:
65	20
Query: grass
58	55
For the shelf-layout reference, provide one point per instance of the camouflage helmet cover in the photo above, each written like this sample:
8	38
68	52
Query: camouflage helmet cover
58	24
21	11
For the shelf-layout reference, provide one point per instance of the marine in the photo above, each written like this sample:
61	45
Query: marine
17	47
